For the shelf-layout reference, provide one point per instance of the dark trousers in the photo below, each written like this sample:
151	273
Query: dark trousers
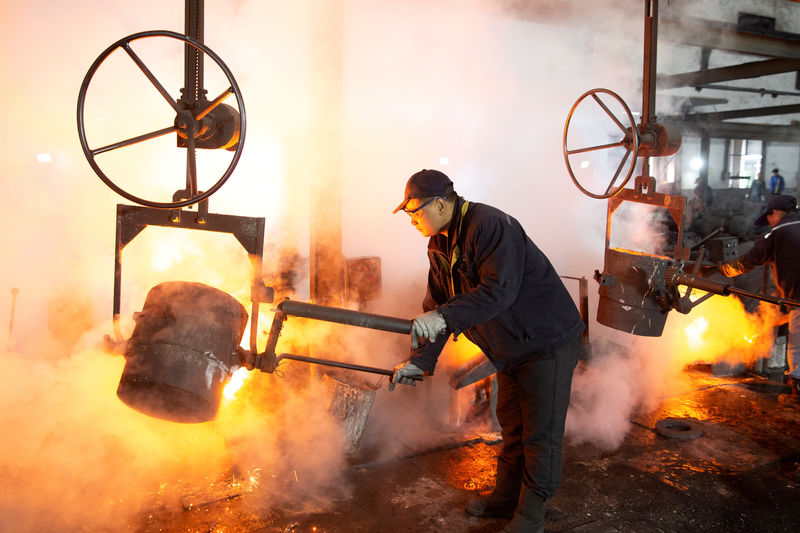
532	401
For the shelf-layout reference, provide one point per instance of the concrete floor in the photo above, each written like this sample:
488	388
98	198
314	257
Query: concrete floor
741	474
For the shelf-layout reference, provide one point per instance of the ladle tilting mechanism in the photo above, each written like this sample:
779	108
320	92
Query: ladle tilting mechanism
185	344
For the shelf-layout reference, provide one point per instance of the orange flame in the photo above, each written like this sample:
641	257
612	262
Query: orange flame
236	382
720	329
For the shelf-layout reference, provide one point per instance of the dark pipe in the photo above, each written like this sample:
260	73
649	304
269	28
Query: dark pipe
345	316
783	302
696	282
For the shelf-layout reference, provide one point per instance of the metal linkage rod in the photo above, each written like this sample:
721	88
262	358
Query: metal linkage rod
339	364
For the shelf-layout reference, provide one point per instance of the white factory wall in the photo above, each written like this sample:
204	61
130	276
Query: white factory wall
786	158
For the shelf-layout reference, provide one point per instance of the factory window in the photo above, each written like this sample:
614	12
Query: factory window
691	162
744	162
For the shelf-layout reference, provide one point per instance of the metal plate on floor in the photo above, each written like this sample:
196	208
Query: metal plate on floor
679	428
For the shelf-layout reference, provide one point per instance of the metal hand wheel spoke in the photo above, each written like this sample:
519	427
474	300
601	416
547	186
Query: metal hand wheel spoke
593	148
616	174
186	121
134	140
214	103
608	111
150	76
630	142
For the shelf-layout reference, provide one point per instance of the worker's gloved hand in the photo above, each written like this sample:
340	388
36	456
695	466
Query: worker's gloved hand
708	271
403	372
427	325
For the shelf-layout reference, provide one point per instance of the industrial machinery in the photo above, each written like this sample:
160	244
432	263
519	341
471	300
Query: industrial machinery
185	344
638	289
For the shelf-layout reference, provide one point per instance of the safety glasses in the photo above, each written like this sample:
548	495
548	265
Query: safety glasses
412	211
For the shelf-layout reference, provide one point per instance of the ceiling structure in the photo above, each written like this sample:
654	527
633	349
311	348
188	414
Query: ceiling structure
741	59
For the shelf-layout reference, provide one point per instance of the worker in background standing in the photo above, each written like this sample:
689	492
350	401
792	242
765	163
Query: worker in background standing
776	182
489	281
757	189
700	200
780	248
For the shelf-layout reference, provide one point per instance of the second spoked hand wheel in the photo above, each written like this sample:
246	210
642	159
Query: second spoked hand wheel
626	136
191	125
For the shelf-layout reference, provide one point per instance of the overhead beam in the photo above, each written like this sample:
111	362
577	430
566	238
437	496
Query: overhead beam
753	69
737	130
723	36
668	104
744	113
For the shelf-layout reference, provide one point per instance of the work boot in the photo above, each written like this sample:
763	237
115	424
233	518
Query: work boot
529	516
502	501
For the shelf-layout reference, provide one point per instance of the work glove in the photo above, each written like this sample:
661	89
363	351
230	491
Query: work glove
708	271
427	325
403	372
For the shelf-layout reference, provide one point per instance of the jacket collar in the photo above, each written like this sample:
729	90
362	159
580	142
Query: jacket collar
443	243
788	220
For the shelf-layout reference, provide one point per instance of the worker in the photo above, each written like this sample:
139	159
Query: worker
703	194
757	189
776	182
489	281
778	248
700	200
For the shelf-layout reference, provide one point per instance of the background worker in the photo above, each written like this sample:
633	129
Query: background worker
780	248
757	189
776	182
489	281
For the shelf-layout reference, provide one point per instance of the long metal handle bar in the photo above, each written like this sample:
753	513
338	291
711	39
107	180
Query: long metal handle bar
339	364
345	316
724	289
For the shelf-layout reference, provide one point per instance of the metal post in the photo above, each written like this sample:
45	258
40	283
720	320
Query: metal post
649	73
193	58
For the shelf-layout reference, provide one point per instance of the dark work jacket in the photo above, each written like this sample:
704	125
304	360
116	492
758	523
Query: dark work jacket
504	294
781	248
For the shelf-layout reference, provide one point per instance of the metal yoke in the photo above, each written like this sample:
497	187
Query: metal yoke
249	231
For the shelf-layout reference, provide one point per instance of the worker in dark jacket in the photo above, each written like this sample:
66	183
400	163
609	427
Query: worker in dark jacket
776	182
489	281
781	249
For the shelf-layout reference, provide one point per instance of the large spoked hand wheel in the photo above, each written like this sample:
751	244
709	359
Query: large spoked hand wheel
192	125
625	149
